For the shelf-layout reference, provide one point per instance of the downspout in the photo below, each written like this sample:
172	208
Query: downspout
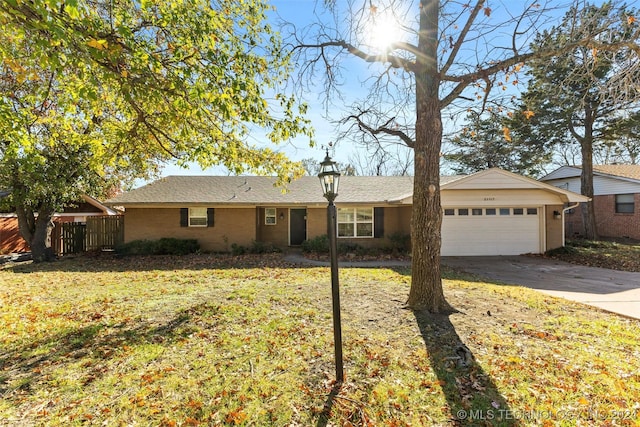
563	222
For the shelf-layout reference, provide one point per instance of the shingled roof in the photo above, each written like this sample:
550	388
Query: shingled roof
260	190
624	171
629	172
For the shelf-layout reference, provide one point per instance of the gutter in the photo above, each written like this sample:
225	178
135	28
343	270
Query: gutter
564	211
400	199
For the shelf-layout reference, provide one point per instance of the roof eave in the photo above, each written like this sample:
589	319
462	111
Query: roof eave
99	205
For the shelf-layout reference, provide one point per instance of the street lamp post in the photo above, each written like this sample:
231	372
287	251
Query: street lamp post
329	179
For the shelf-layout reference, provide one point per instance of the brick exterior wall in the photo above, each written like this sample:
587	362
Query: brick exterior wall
316	222
608	222
397	220
230	226
276	234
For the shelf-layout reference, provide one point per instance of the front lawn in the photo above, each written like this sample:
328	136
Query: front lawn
204	340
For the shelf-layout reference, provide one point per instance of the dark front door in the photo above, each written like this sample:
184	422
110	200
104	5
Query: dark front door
297	226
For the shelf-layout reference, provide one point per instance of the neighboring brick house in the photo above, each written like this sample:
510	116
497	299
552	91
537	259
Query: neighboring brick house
493	212
616	199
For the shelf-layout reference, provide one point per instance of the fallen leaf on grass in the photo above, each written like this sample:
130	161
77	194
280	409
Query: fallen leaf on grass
236	417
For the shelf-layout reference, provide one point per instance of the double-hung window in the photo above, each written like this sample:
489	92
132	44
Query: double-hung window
270	216
625	203
355	222
197	217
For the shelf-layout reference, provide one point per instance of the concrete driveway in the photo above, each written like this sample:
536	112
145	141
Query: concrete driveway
611	290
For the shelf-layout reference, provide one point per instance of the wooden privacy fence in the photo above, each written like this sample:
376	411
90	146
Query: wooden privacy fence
98	233
72	238
104	232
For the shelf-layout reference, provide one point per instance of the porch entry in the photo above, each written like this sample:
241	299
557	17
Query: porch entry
297	226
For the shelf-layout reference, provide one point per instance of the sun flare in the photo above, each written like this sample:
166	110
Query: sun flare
384	30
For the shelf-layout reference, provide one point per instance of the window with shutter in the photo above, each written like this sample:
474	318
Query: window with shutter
196	217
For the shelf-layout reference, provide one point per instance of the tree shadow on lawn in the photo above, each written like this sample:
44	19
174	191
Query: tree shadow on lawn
472	396
25	367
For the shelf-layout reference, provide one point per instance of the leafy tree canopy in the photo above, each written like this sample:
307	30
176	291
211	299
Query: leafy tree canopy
487	142
588	96
164	80
583	93
106	91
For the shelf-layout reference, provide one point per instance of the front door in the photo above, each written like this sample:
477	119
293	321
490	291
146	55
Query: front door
297	226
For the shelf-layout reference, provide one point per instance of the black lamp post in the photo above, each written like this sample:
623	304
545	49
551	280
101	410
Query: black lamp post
329	179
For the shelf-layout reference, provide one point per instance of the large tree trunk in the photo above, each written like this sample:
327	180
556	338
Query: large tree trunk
426	283
426	220
36	230
586	184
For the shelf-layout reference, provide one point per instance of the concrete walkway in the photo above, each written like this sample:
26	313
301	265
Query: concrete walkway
611	290
297	258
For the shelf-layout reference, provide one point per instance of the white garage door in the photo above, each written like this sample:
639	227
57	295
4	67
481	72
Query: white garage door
491	231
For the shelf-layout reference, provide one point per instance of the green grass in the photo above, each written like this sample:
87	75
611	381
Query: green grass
199	340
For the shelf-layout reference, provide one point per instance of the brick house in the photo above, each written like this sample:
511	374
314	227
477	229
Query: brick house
616	198
493	212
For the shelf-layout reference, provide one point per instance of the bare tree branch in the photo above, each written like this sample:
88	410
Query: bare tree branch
462	37
395	61
383	129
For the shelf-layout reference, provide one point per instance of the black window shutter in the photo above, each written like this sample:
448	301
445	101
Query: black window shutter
184	217
209	217
378	222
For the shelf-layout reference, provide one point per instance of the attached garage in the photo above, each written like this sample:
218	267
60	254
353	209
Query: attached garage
495	212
